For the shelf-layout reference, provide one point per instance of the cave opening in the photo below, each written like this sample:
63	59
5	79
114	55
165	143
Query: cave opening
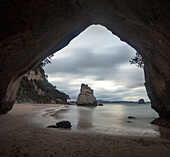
98	58
33	30
25	44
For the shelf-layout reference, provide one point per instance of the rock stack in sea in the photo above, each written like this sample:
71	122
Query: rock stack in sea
86	96
141	101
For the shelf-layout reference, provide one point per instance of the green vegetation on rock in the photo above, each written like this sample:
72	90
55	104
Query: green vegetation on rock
35	88
137	60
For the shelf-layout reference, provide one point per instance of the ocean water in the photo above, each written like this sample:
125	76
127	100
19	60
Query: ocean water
108	119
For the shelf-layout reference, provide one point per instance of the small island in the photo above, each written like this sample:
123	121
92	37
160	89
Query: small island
86	96
141	101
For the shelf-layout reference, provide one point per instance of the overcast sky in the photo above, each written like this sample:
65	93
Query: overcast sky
98	58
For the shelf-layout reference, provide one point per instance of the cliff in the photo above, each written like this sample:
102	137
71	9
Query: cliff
35	88
86	96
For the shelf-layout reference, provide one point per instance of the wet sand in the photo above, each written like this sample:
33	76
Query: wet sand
21	136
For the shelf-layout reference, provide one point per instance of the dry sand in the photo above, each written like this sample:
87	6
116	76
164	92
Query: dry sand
19	136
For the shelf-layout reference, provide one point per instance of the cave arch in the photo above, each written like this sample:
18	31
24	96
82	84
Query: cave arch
32	30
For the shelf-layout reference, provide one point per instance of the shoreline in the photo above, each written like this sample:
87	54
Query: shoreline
20	136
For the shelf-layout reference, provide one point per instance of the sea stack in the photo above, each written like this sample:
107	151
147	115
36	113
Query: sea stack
86	97
141	101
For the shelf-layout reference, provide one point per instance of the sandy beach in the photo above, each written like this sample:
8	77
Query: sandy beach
21	136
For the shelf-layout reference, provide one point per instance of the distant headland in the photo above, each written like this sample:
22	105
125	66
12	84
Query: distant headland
110	102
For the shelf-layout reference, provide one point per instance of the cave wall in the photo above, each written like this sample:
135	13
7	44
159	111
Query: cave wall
31	30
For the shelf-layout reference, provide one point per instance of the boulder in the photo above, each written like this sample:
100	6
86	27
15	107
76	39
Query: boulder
131	117
141	101
63	124
86	97
100	105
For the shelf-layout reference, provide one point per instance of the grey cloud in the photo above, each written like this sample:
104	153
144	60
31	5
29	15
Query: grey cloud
133	78
81	60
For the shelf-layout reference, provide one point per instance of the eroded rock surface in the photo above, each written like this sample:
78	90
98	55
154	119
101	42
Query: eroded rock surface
32	30
86	97
35	88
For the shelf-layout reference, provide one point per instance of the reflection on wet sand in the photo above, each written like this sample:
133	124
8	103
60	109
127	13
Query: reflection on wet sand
85	117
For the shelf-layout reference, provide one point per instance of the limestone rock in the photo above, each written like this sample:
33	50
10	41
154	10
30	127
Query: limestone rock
141	101
86	96
35	88
34	75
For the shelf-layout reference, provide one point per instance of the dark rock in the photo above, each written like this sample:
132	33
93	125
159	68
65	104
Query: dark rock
100	105
131	117
162	122
141	101
52	126
63	124
129	121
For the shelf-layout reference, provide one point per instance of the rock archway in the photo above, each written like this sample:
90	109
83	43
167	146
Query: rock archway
32	30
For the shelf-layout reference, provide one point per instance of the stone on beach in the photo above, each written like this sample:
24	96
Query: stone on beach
62	124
